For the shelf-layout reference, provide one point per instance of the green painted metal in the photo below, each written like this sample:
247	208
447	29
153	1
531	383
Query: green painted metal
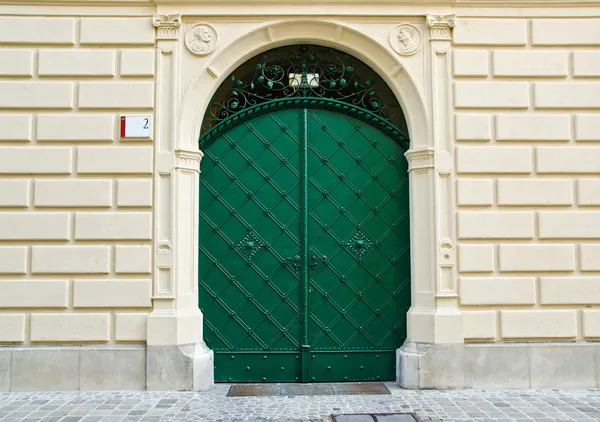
304	263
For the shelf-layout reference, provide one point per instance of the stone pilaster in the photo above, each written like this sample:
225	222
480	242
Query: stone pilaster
178	359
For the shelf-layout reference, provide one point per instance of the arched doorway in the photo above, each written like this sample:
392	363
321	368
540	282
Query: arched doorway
304	262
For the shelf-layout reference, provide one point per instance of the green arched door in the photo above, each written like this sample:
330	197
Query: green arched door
304	268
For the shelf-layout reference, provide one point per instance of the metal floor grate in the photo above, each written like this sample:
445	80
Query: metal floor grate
316	389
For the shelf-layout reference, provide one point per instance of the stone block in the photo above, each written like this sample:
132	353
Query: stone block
536	257
5	368
73	193
442	366
503	159
13	259
113	368
586	64
552	95
76	127
137	62
534	324
112	293
131	326
117	31
497	366
71	327
533	127
12	330
470	63
490	32
568	159
133	259
14	193
591	323
497	290
495	225
37	30
17	63
474	192
473	127
564	365
116	95
34	293
176	368
589	257
565	31
479	325
134	193
34	226
23	160
77	62
586	127
566	225
569	290
15	127
535	192
509	95
529	63
45	369
114	160
70	259
113	226
475	258
39	95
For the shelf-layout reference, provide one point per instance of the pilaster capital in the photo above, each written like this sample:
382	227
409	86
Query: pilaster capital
422	158
188	159
440	27
167	26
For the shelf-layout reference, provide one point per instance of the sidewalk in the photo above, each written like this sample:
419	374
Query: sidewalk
429	405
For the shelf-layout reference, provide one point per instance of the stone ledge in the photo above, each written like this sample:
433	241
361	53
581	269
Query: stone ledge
499	365
105	367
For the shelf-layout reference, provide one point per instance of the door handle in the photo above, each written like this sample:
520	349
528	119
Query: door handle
316	259
295	260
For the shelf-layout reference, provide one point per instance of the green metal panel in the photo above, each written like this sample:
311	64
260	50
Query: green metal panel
304	248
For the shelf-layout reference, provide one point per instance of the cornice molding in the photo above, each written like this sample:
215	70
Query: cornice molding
167	26
440	26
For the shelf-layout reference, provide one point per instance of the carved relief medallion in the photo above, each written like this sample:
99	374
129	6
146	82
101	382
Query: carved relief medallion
201	39
406	39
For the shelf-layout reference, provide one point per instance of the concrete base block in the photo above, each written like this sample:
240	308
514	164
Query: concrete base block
180	368
106	367
5	368
113	368
499	365
564	366
45	368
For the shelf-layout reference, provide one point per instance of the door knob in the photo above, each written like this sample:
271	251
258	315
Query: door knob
295	260
316	259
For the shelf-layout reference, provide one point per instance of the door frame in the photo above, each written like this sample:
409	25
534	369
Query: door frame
421	83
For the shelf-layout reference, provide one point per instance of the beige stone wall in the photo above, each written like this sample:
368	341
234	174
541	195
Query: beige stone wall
527	130
75	200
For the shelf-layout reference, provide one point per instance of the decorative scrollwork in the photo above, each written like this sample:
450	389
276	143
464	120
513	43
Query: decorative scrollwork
303	71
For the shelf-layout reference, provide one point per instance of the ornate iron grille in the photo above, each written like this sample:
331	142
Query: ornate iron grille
303	72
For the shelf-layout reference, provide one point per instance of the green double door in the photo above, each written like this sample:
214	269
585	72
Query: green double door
304	262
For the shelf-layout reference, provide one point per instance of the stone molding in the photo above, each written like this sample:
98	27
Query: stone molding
187	159
419	159
440	26
167	26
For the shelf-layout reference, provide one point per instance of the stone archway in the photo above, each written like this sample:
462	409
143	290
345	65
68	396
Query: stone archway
434	317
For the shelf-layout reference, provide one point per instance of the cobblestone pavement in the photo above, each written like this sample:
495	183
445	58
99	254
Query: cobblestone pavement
429	405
